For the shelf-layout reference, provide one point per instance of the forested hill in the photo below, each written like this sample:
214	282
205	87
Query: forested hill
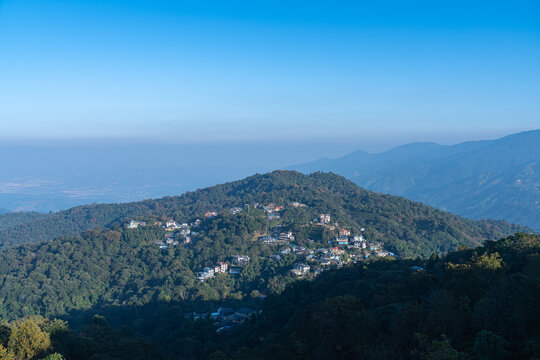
14	219
473	304
412	228
134	266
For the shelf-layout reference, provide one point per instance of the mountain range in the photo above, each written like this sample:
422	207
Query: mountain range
491	179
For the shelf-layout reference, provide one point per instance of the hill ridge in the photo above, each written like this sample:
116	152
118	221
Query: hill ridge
317	188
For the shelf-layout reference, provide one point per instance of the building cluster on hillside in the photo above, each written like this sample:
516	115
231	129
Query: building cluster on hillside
237	262
326	258
324	219
298	204
210	214
240	260
273	217
175	234
171	225
235	210
346	247
356	241
183	229
272	208
169	239
277	237
133	224
273	211
300	269
226	318
210	272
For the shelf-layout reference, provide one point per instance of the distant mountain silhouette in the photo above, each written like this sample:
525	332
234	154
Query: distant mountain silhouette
497	179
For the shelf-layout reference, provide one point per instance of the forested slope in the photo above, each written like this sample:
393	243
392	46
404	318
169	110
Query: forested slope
422	228
13	219
124	266
475	303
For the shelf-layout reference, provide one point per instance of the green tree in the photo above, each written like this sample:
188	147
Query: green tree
5	333
54	356
5	354
442	350
489	346
27	340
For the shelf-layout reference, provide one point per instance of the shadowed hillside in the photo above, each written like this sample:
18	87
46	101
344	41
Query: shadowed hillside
475	303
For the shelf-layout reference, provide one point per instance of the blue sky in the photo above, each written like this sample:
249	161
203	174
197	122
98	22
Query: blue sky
211	71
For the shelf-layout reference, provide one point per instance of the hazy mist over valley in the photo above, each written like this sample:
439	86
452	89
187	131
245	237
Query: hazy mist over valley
50	175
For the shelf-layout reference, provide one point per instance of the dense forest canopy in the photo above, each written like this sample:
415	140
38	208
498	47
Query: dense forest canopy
12	219
474	303
478	303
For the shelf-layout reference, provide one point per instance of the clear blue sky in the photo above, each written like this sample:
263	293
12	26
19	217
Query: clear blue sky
261	70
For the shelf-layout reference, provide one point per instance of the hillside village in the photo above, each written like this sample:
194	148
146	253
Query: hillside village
347	246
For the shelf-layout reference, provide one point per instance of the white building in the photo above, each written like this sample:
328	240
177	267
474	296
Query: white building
325	218
240	260
171	225
300	269
135	224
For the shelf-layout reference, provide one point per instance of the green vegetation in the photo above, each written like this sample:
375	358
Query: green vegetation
126	268
13	219
472	304
123	266
479	303
40	338
27	340
409	228
472	301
